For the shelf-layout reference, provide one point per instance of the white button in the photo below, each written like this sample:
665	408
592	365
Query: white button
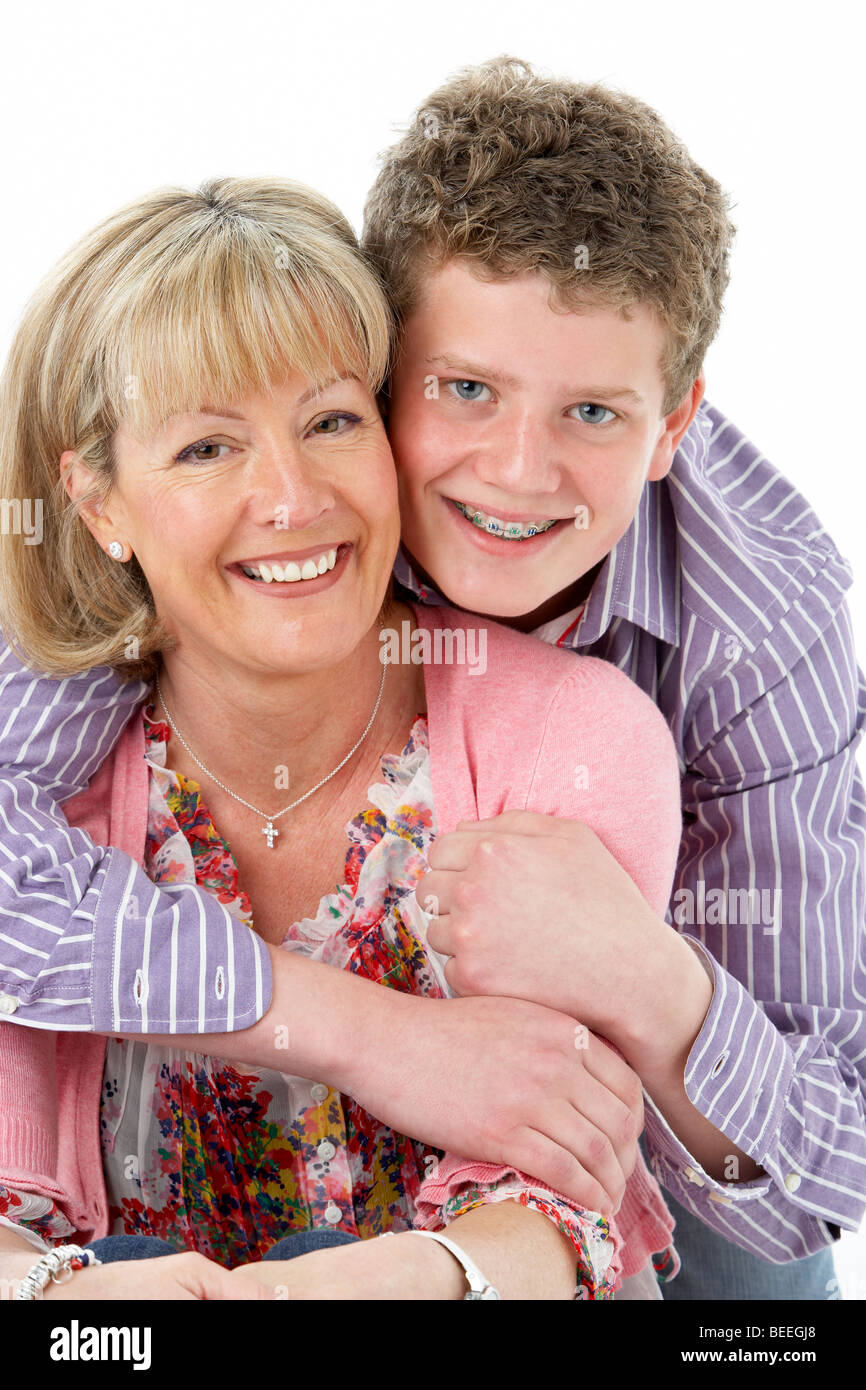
8	1003
333	1213
319	1092
326	1150
694	1177
792	1182
719	1063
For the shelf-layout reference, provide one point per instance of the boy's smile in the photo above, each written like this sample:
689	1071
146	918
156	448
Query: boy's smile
523	437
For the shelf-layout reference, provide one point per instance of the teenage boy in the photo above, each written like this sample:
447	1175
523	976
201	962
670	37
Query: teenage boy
663	542
557	264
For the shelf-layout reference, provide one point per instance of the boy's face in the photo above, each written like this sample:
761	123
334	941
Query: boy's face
524	417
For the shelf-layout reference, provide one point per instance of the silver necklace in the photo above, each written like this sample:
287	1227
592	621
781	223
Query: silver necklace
269	829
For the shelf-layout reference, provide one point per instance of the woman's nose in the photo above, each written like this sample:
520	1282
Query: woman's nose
288	490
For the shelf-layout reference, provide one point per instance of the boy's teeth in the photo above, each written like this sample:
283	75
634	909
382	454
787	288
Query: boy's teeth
506	530
290	572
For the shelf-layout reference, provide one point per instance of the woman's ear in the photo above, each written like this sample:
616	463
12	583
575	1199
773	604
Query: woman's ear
78	479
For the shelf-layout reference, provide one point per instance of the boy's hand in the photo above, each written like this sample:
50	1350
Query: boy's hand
504	1081
536	907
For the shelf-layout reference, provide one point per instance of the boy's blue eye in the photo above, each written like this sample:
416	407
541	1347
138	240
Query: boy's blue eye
468	390
590	405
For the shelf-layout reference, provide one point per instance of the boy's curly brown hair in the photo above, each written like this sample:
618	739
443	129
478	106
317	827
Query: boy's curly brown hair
514	172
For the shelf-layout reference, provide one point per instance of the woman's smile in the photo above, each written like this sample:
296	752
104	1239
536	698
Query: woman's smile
296	574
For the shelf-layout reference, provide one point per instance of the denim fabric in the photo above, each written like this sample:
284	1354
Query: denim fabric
110	1249
714	1268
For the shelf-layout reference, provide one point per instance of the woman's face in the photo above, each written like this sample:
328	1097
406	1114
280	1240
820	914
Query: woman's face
297	482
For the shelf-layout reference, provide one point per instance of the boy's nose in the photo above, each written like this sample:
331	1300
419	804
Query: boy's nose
521	459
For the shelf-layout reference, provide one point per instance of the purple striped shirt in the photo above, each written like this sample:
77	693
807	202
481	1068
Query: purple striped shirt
724	601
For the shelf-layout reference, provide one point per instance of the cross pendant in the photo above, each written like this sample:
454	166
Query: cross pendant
271	833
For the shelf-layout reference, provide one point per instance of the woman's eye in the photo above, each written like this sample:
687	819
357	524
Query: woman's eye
594	419
331	424
469	390
203	451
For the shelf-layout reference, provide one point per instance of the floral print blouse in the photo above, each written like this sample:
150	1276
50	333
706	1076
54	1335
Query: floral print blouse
226	1160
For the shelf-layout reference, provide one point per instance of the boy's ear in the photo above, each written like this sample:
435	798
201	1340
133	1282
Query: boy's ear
674	428
77	478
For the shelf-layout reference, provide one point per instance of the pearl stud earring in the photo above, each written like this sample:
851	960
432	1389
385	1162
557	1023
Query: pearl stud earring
115	550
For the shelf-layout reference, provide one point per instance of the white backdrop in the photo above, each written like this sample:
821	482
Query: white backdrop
100	103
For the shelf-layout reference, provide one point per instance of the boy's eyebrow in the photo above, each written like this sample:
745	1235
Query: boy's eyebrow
483	373
584	393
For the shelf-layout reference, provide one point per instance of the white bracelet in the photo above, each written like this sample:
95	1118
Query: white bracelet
48	1270
478	1285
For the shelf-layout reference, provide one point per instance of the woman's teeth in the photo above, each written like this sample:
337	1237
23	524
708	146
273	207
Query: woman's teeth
506	530
290	572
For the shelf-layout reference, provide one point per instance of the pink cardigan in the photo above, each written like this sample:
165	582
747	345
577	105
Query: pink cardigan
572	736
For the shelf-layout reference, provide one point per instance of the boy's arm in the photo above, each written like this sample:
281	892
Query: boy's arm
778	1064
771	1071
81	926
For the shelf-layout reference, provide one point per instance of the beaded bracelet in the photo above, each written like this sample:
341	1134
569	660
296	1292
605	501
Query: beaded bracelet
63	1258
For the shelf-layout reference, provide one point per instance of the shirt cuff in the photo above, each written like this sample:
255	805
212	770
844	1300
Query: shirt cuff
30	1236
177	963
38	1220
737	1075
739	1069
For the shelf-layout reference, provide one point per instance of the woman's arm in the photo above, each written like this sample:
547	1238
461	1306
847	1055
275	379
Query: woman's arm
520	1252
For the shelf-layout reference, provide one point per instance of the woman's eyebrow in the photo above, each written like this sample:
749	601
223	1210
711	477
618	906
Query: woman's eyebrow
322	386
317	389
220	414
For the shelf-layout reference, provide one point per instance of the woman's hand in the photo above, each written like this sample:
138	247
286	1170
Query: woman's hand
169	1277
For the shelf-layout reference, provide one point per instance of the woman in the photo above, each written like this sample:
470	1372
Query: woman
205	367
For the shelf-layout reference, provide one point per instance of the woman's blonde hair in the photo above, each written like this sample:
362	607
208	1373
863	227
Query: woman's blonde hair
180	299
